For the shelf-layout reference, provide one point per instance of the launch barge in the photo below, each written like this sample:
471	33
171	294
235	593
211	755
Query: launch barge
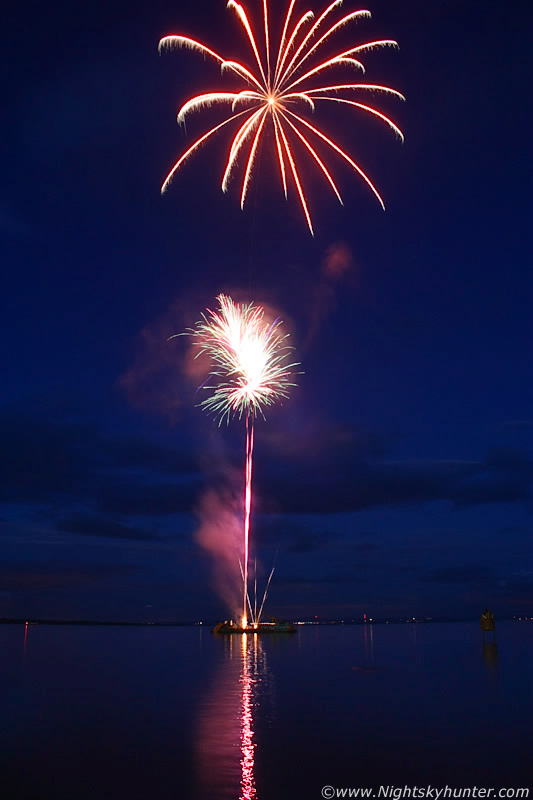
262	627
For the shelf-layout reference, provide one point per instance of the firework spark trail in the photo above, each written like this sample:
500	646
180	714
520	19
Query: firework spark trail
265	594
275	85
248	362
248	499
248	603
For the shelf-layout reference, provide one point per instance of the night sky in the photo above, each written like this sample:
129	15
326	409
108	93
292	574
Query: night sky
396	479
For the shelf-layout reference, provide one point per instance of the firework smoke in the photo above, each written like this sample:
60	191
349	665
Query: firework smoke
220	533
337	268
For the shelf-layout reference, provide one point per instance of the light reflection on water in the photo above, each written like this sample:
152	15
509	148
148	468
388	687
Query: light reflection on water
225	733
247	722
490	655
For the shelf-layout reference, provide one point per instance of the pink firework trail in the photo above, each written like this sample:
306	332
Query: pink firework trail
282	84
248	500
250	372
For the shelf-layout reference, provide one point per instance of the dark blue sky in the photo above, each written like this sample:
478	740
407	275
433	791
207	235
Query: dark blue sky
396	480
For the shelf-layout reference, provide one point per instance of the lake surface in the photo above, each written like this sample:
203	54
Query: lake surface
148	712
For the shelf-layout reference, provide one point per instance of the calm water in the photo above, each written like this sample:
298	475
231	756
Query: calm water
98	712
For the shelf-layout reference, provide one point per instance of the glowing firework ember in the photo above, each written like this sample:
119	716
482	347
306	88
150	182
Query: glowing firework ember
285	77
249	366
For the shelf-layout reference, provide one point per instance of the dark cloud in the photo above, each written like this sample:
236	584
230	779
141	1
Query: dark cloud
40	459
509	459
96	526
42	462
131	451
309	541
484	584
298	580
518	590
135	497
470	574
50	575
502	477
332	445
333	470
280	533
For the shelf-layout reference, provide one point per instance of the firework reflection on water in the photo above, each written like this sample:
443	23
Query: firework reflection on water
226	739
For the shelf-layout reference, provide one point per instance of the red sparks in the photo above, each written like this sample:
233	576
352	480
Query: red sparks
275	86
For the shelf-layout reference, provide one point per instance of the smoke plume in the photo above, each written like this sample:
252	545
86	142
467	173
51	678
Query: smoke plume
219	512
337	267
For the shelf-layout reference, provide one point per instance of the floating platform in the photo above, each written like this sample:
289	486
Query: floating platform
262	627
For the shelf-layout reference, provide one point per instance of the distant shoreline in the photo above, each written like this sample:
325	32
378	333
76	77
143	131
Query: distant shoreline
302	623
